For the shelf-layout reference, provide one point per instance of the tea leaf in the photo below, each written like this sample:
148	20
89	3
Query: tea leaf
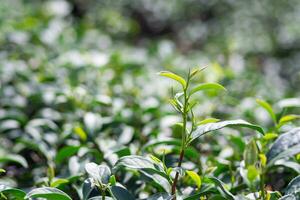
173	76
205	128
268	108
47	193
207	86
121	193
287	144
195	177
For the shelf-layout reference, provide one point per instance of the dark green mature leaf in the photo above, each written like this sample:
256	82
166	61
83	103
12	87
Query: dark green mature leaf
294	186
158	178
12	193
13	158
173	76
66	152
222	186
121	193
160	196
100	198
205	128
288	164
101	173
287	144
207	86
47	193
288	197
135	162
87	188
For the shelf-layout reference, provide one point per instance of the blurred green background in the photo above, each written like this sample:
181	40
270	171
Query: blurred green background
92	65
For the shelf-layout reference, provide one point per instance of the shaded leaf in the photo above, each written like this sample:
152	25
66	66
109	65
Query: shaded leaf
285	145
121	193
294	186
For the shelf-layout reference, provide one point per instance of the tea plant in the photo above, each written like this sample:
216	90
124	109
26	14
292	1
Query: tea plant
172	174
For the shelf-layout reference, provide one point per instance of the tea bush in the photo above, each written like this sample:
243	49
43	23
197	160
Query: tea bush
106	100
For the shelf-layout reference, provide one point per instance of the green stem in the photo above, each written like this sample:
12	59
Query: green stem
262	185
184	119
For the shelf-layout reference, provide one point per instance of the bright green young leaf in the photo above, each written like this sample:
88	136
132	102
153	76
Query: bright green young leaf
268	108
2	170
207	86
205	128
287	118
80	132
252	173
195	177
173	76
270	136
47	193
208	120
58	182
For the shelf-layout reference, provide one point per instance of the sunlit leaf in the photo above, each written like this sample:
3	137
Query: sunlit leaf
48	193
205	128
173	76
207	86
195	177
268	108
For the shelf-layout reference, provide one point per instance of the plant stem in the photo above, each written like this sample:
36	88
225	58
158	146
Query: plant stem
177	174
262	185
184	118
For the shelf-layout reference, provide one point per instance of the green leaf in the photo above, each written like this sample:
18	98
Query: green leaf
286	145
58	182
288	197
101	173
268	108
195	177
160	196
87	188
101	198
287	118
222	186
135	162
66	152
252	173
205	128
173	76
207	86
270	136
14	158
251	153
80	132
294	186
121	193
2	170
12	193
208	120
47	193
